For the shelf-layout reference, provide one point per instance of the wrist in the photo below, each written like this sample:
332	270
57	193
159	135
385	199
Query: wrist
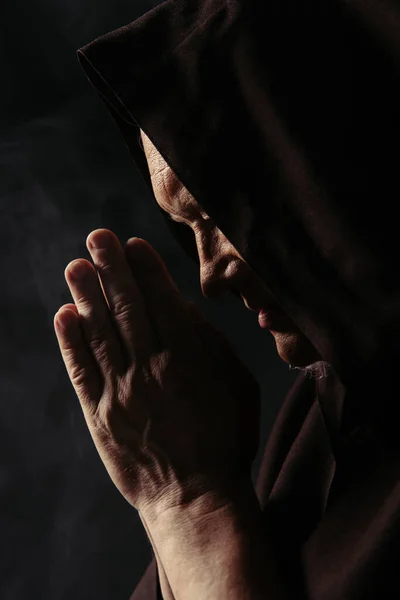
214	547
206	522
190	504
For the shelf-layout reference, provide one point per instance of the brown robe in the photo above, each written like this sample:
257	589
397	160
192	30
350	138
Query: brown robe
282	119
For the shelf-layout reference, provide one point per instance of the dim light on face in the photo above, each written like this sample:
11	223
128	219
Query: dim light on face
222	268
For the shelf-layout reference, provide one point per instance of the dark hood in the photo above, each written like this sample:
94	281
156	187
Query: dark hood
282	119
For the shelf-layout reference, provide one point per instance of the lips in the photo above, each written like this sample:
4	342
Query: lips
270	315
257	308
275	320
266	319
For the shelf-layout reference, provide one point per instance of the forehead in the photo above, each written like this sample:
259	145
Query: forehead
175	197
169	191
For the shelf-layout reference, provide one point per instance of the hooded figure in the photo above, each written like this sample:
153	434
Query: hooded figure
281	118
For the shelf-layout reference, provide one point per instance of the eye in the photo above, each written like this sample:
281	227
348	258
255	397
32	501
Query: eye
195	224
177	220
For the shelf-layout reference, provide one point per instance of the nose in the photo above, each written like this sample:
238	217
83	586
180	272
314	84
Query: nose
210	284
218	275
221	267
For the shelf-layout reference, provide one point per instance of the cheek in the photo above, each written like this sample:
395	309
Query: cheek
208	241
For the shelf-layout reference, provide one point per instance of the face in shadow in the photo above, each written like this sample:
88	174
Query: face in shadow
222	268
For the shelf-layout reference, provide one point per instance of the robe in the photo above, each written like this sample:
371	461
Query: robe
282	119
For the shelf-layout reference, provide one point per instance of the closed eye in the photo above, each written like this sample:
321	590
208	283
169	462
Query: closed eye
204	218
177	219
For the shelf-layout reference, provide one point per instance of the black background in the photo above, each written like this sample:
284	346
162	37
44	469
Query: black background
66	532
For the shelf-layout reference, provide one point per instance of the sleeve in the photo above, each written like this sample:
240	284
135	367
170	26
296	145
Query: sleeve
148	587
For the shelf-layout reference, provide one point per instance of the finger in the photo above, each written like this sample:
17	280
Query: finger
81	367
124	297
97	327
166	307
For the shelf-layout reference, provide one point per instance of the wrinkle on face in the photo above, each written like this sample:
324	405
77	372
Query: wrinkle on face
222	266
169	191
173	197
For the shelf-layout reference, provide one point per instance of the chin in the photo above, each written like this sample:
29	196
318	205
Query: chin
296	350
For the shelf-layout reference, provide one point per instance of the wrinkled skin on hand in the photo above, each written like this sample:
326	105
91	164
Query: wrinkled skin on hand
173	412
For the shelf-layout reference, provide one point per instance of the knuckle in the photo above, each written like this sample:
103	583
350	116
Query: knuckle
124	307
85	304
68	349
77	375
99	344
105	267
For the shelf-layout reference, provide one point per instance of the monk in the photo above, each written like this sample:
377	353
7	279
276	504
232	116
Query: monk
158	385
267	133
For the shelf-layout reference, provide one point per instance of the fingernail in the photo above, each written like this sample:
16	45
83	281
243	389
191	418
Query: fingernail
99	240
61	321
78	271
131	239
64	319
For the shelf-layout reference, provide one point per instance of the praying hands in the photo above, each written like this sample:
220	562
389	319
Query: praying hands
172	411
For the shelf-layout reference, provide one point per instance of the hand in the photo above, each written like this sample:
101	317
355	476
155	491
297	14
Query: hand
172	411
